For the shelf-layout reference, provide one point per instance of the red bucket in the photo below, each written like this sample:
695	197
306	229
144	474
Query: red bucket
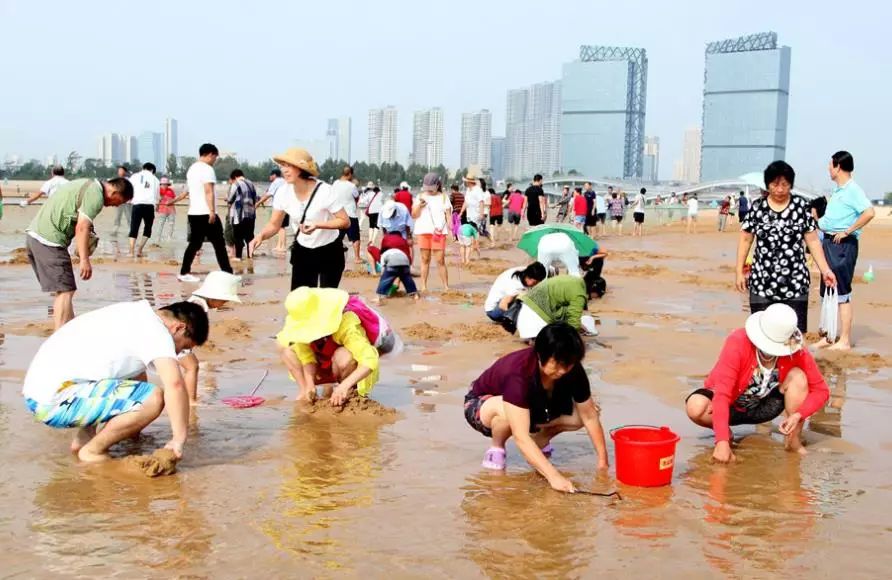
645	455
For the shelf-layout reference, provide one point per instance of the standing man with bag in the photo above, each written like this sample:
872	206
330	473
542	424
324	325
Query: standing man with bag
848	211
317	255
203	222
67	216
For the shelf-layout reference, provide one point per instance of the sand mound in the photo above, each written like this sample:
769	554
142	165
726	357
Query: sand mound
161	462
233	329
642	271
353	406
479	332
461	297
726	269
171	262
18	256
426	331
706	282
486	267
353	274
836	362
634	256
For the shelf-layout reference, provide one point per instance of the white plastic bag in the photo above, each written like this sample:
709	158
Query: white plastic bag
830	314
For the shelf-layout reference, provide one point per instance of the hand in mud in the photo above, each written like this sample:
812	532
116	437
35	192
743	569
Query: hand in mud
176	447
340	396
722	453
788	424
740	282
561	483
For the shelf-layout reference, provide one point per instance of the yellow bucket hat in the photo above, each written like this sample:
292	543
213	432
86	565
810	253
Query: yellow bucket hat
313	313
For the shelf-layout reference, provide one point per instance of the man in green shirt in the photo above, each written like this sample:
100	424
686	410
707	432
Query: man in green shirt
555	299
68	215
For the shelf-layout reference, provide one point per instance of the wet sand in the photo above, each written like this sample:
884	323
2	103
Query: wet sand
299	494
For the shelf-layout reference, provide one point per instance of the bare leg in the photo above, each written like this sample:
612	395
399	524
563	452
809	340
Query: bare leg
81	437
122	427
142	245
846	318
425	268
296	369
699	409
63	308
441	268
492	415
795	390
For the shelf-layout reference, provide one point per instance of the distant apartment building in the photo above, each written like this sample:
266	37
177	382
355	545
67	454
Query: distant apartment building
131	148
497	158
111	149
533	130
690	159
171	141
382	139
745	103
151	149
339	133
651	160
603	101
427	138
476	140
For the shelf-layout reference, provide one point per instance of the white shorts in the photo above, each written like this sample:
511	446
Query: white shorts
529	324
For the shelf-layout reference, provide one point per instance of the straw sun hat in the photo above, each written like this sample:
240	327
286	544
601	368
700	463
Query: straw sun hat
313	313
774	330
299	158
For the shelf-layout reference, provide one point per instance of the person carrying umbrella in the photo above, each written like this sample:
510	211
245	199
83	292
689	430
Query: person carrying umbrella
557	243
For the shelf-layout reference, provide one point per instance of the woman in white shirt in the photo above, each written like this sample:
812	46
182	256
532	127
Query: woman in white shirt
432	212
508	286
693	210
317	255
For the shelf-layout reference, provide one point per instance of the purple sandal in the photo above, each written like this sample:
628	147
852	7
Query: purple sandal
494	458
548	450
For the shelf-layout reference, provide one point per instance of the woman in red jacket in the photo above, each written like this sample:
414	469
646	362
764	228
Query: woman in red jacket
762	372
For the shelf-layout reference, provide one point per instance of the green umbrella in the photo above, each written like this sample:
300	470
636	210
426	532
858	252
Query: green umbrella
529	242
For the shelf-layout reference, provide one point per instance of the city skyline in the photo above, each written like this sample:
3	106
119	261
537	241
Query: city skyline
427	137
476	140
37	126
383	135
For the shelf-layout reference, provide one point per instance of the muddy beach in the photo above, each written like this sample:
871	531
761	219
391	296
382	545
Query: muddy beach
394	486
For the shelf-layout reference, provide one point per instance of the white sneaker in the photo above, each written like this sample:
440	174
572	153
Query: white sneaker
188	278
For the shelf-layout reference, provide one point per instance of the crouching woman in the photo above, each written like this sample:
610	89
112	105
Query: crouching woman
533	395
326	342
762	371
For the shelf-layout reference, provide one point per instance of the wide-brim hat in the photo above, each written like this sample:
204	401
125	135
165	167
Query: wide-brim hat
388	209
471	178
220	286
313	313
299	158
775	331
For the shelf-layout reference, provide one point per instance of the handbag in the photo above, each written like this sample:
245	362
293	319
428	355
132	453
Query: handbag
830	314
371	201
93	239
509	319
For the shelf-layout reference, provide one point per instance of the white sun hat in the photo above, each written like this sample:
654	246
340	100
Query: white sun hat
220	286
774	330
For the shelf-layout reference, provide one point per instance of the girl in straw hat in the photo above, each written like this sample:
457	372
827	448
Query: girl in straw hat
762	371
317	255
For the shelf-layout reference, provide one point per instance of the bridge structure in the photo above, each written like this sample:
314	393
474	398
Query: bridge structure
706	191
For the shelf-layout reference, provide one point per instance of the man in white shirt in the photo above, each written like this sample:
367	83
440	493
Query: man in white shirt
276	181
92	371
146	189
49	187
693	209
203	222
346	191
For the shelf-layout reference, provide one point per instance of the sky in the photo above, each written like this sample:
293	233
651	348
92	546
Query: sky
255	77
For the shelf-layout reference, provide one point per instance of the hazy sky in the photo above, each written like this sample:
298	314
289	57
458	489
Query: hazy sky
254	76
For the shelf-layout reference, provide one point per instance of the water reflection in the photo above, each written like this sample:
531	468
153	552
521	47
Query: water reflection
757	512
102	517
828	420
519	528
330	466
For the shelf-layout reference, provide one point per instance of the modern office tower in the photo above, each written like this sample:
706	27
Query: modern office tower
383	135
603	102
130	150
171	141
691	152
476	140
746	95
427	138
651	159
339	134
497	158
111	149
151	149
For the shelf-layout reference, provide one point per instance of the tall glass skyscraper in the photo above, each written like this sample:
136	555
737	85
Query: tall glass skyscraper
603	110
745	98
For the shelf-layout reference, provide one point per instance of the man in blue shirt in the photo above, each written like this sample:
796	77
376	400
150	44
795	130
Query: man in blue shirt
848	211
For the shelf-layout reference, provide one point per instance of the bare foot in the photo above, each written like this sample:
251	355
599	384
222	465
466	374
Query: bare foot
416	297
445	288
823	343
81	437
794	445
839	345
90	457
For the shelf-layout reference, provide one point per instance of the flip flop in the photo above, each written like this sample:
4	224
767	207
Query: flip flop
494	458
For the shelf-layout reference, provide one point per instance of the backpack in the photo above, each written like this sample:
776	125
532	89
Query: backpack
376	328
